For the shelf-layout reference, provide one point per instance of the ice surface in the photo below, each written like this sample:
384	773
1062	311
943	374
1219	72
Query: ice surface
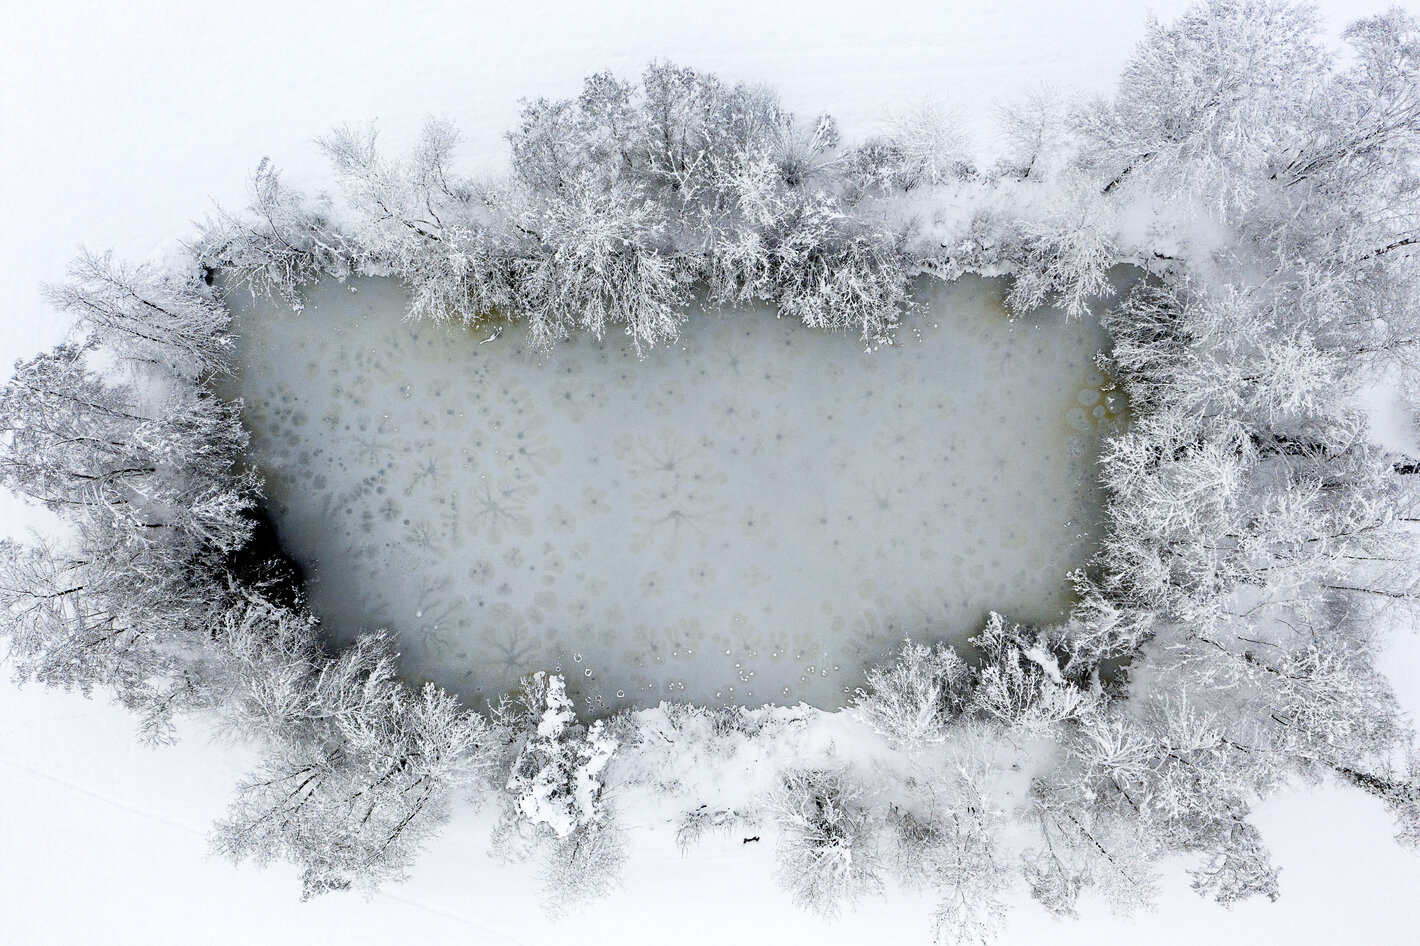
751	515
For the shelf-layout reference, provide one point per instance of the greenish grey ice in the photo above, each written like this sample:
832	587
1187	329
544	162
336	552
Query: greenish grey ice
750	515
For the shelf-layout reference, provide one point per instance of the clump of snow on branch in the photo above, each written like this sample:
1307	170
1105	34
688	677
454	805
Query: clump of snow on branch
556	811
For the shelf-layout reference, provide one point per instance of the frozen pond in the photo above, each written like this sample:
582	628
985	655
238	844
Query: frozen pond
749	516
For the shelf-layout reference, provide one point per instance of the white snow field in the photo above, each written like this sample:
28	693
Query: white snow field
118	122
753	514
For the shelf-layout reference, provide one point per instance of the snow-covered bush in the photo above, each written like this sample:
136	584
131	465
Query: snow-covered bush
1035	130
554	781
1061	257
605	261
1021	681
828	856
913	701
420	223
699	823
923	146
157	322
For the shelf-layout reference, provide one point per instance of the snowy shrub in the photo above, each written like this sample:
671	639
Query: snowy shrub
606	262
912	702
827	849
855	281
427	227
1021	681
583	866
156	321
1062	258
1036	134
699	823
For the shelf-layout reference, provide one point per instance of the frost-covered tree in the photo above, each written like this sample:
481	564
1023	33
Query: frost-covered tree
1201	106
1035	133
556	811
108	618
913	701
953	846
854	281
555	778
922	146
266	656
828	856
604	262
581	867
1305	699
1022	681
676	131
1133	788
1365	125
1083	847
418	221
359	772
147	475
1236	356
152	318
281	244
157	462
1062	257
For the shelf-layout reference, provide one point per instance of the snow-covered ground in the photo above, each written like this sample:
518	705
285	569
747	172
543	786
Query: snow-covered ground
119	122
